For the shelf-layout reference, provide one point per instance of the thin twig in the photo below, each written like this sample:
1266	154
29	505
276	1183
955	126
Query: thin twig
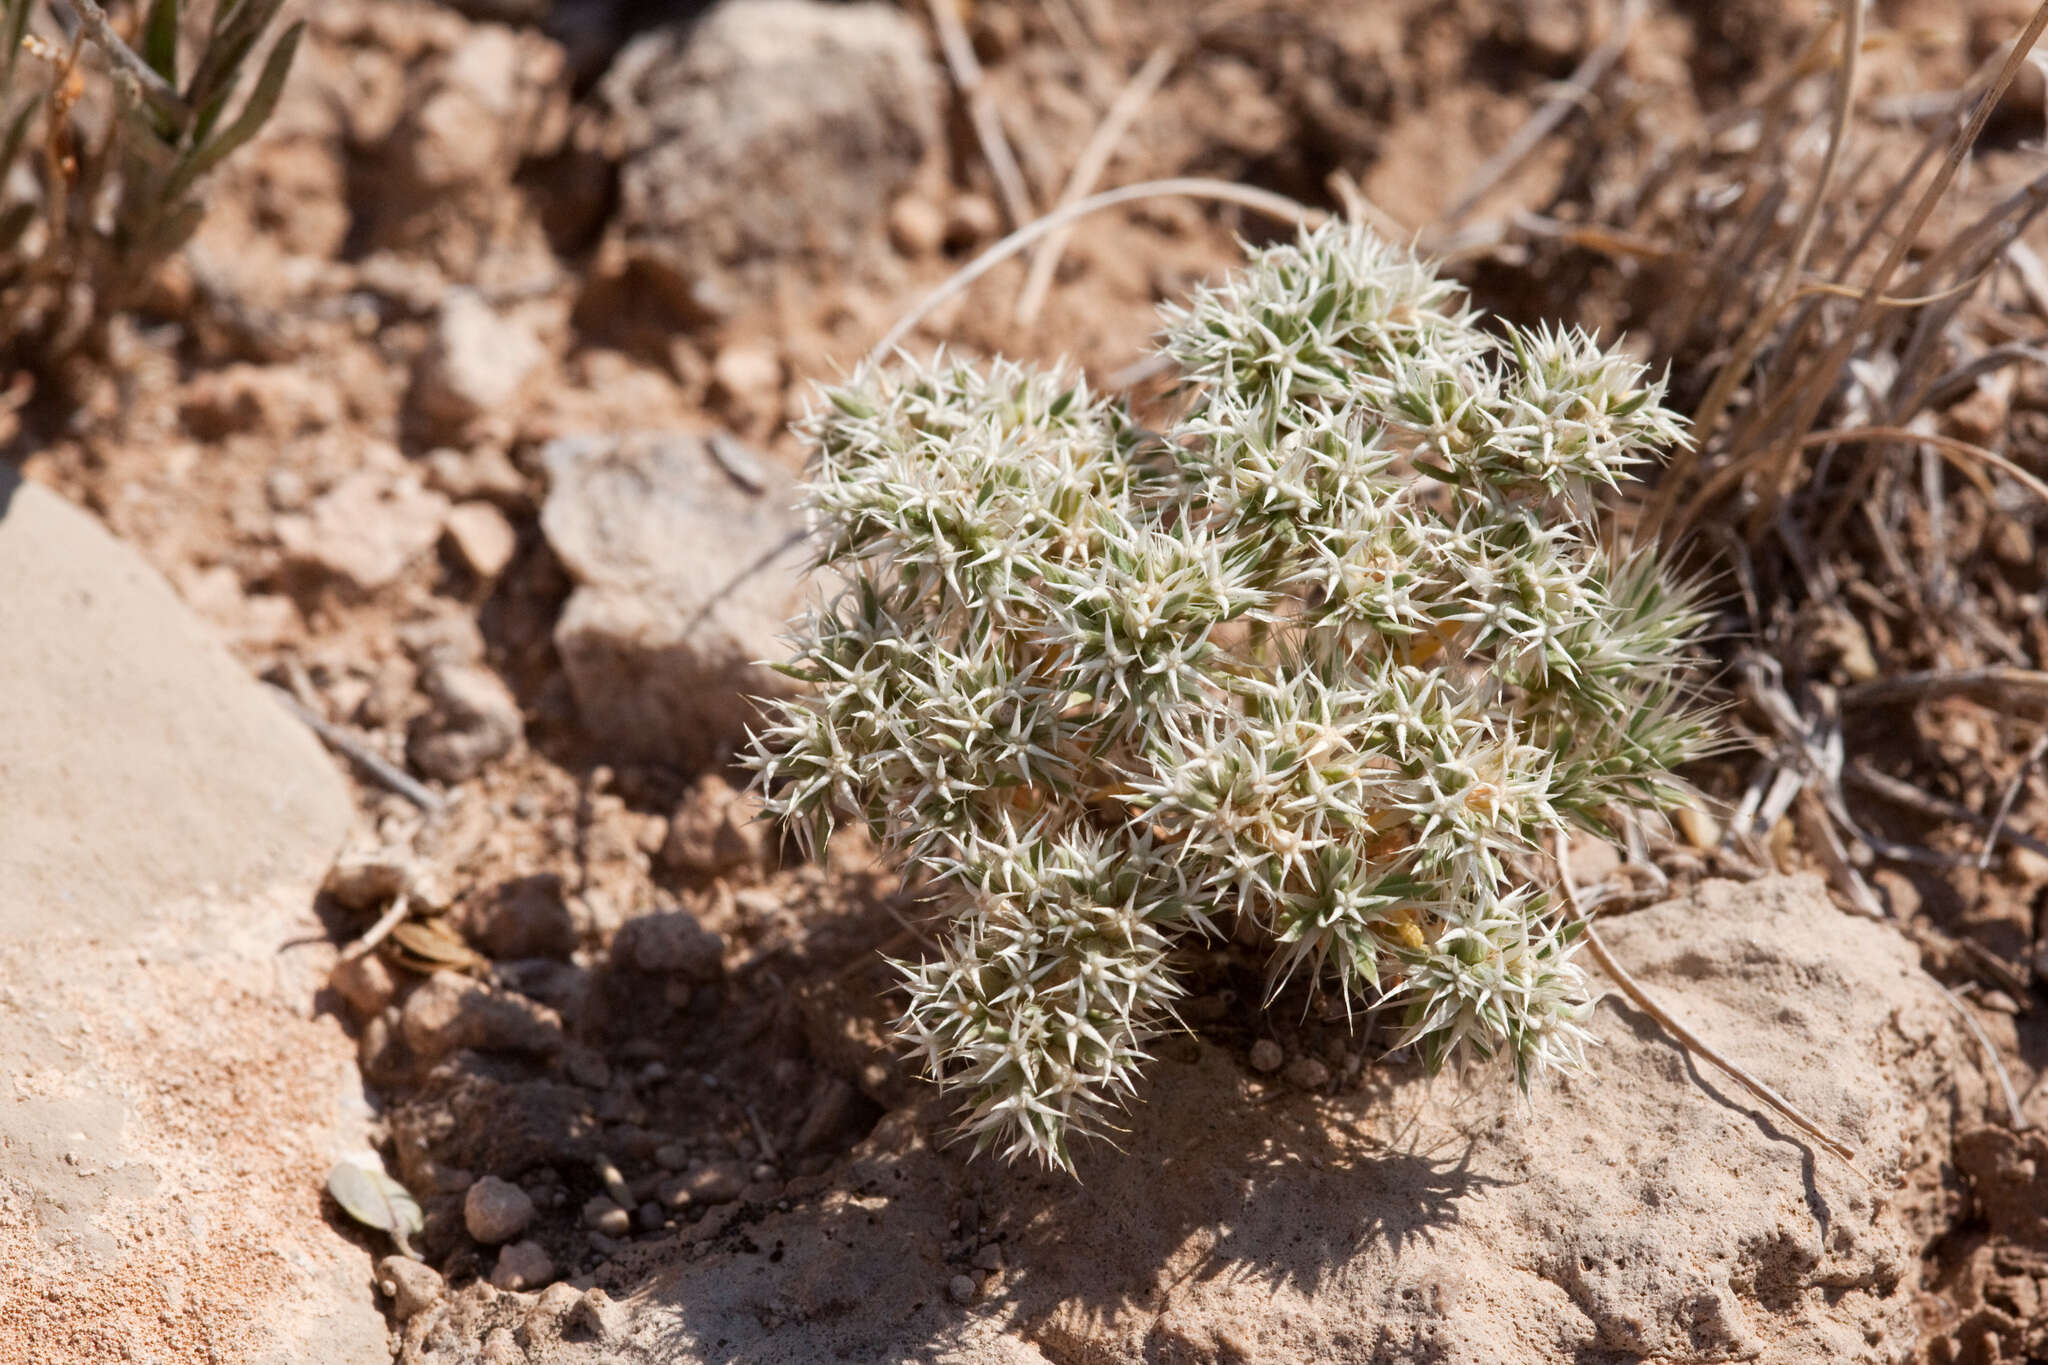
379	931
2012	792
1993	683
1088	168
1575	88
100	28
1193	187
1818	381
981	111
1810	818
768	1152
2012	1099
1708	415
359	753
1957	453
1687	1039
1359	209
1928	804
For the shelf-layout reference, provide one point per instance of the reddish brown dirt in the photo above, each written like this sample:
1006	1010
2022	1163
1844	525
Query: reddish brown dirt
276	356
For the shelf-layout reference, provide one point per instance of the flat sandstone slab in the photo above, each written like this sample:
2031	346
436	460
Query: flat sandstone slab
1645	1211
168	1104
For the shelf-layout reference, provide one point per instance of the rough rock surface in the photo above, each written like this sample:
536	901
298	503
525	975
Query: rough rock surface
477	362
168	1104
1646	1211
365	529
688	576
770	131
475	719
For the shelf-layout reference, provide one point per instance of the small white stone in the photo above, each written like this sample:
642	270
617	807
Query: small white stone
748	373
482	536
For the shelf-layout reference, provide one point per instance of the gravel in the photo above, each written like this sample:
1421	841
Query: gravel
603	1214
523	1265
496	1210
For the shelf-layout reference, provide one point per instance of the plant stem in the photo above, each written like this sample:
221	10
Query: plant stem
1686	1038
153	86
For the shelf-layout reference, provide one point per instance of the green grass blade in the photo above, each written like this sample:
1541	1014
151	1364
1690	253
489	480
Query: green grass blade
221	64
16	131
160	38
15	13
262	102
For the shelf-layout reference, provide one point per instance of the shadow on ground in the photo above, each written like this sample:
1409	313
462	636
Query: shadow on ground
1222	1183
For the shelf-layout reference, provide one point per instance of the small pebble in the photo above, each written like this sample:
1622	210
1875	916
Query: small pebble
650	1216
989	1257
614	1182
450	1012
496	1210
1266	1055
971	218
287	489
747	372
523	1265
670	942
411	1285
597	1317
550	1307
587	1069
482	537
672	1156
917	226
961	1288
602	1214
718	1182
1306	1073
365	982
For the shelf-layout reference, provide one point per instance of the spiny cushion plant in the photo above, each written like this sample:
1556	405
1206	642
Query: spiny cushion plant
1333	655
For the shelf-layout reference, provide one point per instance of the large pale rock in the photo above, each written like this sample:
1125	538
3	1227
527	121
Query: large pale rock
1649	1210
688	575
770	131
169	1105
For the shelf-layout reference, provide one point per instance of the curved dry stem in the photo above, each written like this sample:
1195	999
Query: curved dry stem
1188	187
1957	453
1686	1038
1088	169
